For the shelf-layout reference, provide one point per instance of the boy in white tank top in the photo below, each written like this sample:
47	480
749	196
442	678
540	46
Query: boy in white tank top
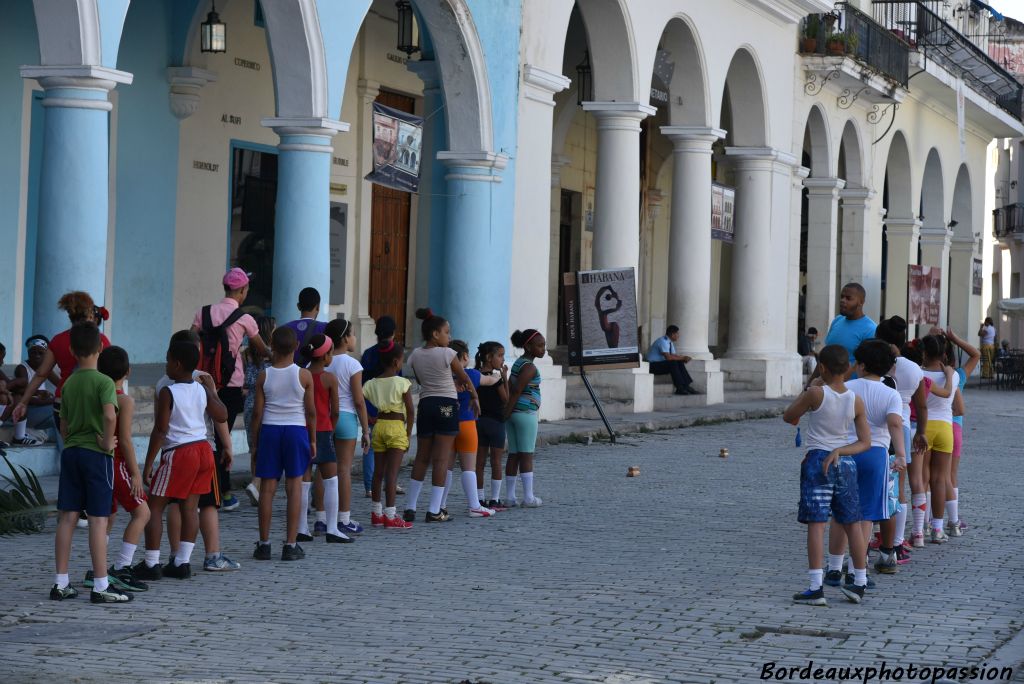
828	482
186	459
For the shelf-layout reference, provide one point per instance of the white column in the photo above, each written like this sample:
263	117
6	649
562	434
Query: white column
617	192
800	174
822	241
363	221
532	242
854	207
935	252
689	259
902	235
961	280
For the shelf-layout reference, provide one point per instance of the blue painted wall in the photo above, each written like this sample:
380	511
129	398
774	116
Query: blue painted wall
17	47
147	177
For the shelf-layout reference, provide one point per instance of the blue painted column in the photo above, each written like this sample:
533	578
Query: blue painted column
71	252
302	240
474	249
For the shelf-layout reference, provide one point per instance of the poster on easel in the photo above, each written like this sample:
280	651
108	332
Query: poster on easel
924	294
601	319
397	149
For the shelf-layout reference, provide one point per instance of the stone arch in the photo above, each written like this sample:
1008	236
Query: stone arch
933	205
899	179
612	48
748	111
689	76
816	143
69	32
852	156
962	211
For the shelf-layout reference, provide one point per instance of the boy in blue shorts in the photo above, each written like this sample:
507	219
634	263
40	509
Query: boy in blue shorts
88	423
828	482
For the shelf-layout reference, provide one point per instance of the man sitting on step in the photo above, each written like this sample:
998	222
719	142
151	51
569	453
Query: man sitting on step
665	361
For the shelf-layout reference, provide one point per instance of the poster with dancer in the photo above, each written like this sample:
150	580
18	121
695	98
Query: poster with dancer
601	318
924	292
397	149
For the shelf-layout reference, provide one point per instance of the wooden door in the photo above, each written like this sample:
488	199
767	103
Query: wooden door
389	240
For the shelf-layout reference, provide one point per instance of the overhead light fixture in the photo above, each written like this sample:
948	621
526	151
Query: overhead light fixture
213	32
584	80
407	39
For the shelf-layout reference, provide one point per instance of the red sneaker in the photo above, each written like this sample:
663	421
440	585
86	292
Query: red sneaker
906	546
396	523
876	542
377	520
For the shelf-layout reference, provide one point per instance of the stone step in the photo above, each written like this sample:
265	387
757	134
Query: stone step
673	402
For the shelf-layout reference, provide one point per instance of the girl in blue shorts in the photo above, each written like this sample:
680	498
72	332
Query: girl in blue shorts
521	415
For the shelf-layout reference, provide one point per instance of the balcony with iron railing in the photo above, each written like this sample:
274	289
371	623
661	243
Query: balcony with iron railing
921	25
1008	221
851	33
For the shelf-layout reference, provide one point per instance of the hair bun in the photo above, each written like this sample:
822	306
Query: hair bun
424	314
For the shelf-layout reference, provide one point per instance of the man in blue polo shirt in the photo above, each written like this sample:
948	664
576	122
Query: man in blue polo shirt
851	326
306	325
664	360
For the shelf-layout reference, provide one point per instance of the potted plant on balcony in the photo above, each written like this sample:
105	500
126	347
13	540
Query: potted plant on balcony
809	39
851	41
836	44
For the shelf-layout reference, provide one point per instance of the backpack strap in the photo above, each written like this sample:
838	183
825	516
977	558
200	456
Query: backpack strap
231	319
207	318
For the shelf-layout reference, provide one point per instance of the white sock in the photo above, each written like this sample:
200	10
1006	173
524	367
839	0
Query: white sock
331	504
390	512
928	508
436	495
447	489
510	488
412	494
321	516
469	485
61	580
835	562
496	490
100	583
304	514
124	558
937	523
919	502
901	525
184	552
953	512
479	492
152	557
527	479
344	517
19	429
860	577
378	508
815	577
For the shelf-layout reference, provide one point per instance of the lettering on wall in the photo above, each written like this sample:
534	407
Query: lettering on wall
231	119
399	59
339	161
246	64
205	166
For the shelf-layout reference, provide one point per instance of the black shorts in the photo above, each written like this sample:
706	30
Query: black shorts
437	416
490	432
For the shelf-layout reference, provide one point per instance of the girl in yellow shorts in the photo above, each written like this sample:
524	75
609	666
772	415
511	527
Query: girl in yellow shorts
939	431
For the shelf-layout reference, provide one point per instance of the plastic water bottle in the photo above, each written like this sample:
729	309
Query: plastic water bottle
798	440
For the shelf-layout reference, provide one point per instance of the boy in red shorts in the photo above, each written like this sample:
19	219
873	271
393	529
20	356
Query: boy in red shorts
186	459
113	363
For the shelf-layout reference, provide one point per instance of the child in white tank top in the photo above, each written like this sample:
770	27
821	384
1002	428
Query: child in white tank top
828	483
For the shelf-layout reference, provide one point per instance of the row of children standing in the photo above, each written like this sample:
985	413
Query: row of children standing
862	443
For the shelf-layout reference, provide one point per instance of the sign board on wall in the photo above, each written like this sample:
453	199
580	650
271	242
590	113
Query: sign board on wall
397	142
339	246
723	202
601	318
977	277
924	292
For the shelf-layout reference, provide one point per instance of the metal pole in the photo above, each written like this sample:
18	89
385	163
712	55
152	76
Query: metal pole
597	403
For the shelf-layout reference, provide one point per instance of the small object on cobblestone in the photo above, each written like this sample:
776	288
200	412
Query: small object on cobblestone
633	471
723	453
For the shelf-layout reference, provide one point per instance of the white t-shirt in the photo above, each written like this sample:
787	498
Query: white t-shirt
880	401
940	408
988	334
908	376
343	367
165	381
827	426
433	369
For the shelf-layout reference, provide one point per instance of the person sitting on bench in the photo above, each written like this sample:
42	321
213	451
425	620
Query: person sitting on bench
665	361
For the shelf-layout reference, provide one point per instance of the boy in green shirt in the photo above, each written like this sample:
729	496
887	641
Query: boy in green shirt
88	421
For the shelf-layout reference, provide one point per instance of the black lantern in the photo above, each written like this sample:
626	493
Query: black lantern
214	33
407	42
584	80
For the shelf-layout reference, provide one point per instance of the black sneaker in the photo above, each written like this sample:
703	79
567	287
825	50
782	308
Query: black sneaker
811	598
145	572
886	564
444	511
262	551
292	553
89	578
126	579
110	595
303	537
848	581
854	593
409	515
58	594
337	538
183	571
441	516
834	578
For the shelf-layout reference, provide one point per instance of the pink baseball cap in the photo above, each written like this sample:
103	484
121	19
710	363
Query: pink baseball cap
236	279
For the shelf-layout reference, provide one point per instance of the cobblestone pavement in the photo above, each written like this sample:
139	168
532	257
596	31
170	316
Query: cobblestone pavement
683	574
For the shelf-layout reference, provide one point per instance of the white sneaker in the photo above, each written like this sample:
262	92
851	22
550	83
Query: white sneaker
533	503
481	512
254	494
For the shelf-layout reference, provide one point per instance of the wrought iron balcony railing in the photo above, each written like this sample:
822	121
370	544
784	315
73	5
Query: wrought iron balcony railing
848	31
1008	220
921	25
